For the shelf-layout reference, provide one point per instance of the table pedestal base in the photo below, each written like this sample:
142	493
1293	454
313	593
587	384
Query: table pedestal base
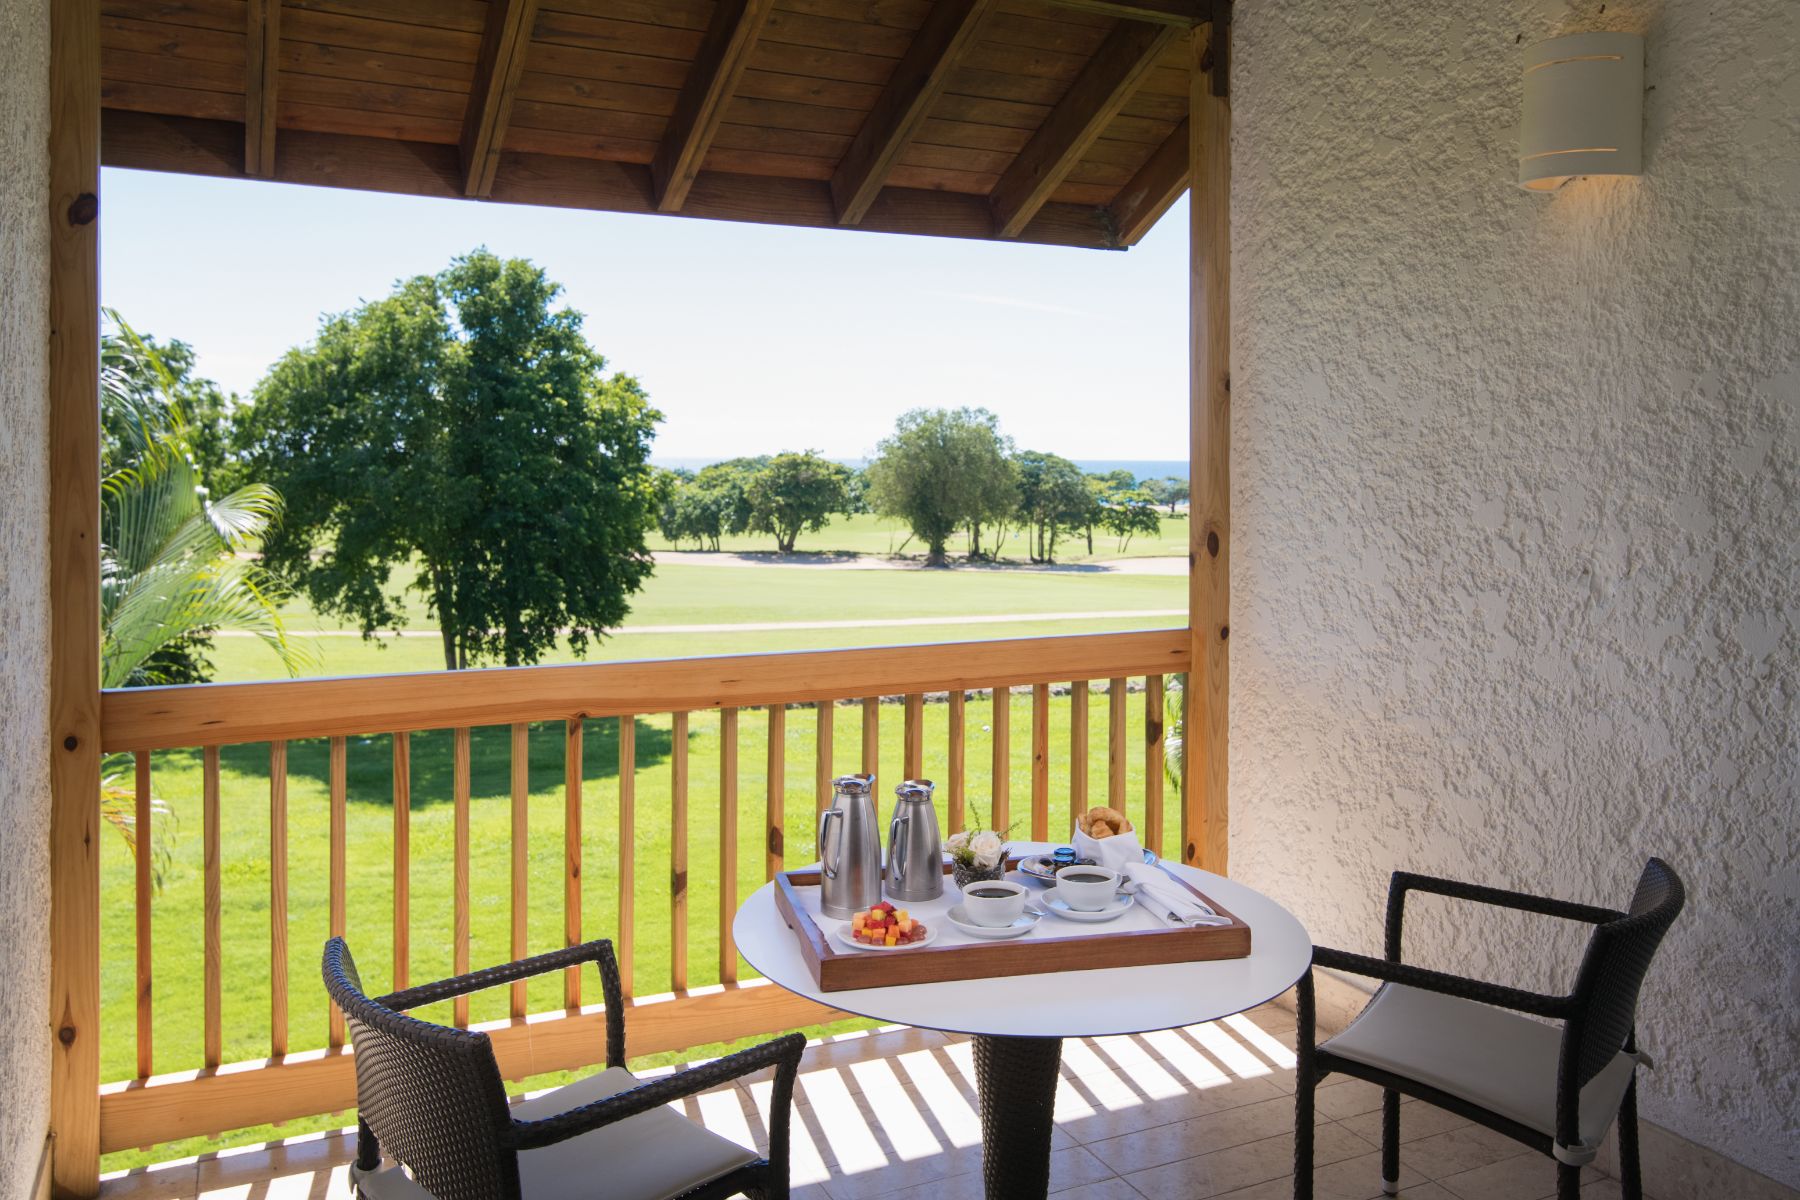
1016	1077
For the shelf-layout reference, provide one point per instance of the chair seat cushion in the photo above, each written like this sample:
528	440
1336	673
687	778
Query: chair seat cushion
652	1156
1499	1060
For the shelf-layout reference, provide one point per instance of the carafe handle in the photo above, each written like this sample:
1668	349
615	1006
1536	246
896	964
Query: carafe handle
897	850
827	868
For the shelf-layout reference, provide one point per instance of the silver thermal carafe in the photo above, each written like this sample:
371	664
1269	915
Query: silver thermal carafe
915	851
849	849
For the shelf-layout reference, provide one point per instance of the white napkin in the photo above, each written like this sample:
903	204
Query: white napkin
1114	853
1162	893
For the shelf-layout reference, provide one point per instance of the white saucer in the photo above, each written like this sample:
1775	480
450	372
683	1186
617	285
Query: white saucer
843	936
1057	905
1022	925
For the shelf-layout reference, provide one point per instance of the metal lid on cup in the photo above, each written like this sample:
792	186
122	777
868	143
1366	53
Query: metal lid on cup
854	785
916	789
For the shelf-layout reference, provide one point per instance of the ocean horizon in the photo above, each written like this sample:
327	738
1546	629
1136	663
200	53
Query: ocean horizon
1141	468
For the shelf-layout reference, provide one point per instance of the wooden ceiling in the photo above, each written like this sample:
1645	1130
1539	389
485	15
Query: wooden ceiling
1052	121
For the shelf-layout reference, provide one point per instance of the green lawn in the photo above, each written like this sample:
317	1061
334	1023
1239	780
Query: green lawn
177	911
865	533
680	594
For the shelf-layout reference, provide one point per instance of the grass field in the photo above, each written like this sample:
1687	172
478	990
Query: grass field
681	594
177	911
865	533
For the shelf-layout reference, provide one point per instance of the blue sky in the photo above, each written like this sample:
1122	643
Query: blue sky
750	338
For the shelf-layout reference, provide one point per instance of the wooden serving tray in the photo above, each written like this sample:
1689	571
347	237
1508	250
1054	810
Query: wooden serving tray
1071	946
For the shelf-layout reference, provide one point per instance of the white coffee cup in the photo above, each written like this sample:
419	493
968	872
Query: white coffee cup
996	910
1088	889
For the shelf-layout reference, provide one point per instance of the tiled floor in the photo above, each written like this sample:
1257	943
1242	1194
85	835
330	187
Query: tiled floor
1179	1115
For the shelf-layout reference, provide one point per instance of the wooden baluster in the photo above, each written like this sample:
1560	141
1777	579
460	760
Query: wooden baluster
338	772
214	943
1115	744
678	853
1078	751
145	856
572	856
822	755
278	898
625	935
1153	763
459	787
999	813
521	833
914	741
871	745
1040	762
728	838
959	702
402	860
773	836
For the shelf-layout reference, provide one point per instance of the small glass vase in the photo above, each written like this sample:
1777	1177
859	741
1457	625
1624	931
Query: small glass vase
965	875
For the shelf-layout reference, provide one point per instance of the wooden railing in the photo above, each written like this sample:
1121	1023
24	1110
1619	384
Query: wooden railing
299	1081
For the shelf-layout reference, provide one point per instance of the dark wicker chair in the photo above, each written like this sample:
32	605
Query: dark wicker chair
432	1099
1449	1041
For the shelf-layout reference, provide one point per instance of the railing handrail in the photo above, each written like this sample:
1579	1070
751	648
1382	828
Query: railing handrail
214	714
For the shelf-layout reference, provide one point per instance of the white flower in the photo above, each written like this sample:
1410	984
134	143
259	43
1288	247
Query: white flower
957	842
987	848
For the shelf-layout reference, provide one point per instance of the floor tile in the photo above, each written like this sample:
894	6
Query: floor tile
1417	1120
1198	1135
1349	1098
1526	1176
1457	1150
1240	1166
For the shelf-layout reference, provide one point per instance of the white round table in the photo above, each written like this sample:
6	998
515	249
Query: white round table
1019	1021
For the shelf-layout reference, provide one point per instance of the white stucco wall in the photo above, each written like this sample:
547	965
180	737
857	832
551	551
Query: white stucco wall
24	597
1516	509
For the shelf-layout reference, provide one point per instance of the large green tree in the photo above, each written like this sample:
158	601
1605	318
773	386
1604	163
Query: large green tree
462	424
795	494
942	470
1053	495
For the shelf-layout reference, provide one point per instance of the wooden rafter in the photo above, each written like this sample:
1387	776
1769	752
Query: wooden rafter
1177	13
262	68
503	44
1163	177
146	142
1089	105
904	103
725	52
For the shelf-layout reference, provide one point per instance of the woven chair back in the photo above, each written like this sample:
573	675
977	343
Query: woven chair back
431	1095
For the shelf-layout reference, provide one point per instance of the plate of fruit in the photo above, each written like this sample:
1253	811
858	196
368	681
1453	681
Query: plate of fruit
881	926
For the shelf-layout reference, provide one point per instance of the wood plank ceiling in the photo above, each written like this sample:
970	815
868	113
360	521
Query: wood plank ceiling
1051	121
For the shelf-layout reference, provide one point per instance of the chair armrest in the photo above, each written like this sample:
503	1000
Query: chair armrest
1405	881
1536	1003
783	1054
599	952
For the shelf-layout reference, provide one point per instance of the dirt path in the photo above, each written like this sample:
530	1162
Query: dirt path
777	626
874	562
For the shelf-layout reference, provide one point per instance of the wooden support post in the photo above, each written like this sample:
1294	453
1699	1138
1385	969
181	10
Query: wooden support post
775	814
1206	810
678	852
498	67
1078	750
74	1015
459	797
728	839
1040	762
143	835
521	836
402	860
913	741
959	706
823	792
999	810
338	770
278	900
262	71
572	770
625	937
211	939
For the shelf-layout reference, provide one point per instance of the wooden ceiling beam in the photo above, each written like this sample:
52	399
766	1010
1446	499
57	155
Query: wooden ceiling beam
504	41
724	53
1090	104
1141	203
904	103
1180	14
262	65
191	146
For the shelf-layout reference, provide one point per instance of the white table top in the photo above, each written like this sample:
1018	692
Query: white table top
1063	1004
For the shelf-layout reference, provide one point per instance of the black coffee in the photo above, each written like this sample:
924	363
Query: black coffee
1083	877
992	893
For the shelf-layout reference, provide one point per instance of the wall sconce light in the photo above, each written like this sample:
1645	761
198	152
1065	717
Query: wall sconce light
1584	109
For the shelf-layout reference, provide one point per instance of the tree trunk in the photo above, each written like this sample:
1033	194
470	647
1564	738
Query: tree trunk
974	539
450	647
